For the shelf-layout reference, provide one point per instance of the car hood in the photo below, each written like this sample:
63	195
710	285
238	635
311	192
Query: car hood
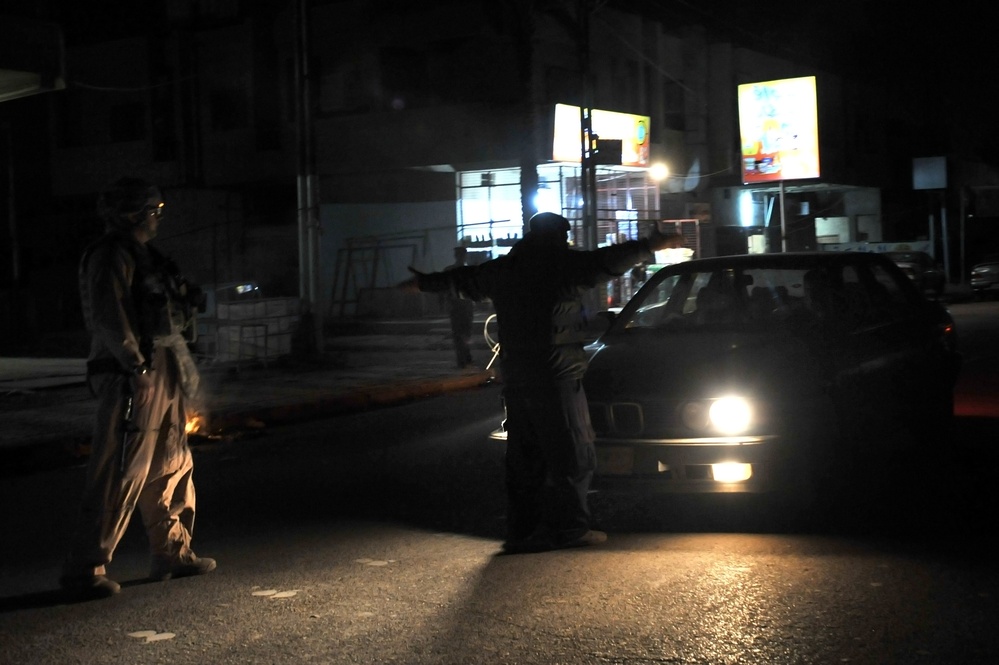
640	364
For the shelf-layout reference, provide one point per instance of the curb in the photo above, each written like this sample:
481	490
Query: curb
43	455
369	397
56	452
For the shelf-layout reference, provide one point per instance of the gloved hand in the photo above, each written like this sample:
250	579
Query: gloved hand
658	240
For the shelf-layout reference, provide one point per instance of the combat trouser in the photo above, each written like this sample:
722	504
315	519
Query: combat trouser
153	473
550	459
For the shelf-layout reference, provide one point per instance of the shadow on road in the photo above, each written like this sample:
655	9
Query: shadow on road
947	499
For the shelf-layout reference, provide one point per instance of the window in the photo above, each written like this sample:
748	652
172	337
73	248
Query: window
127	122
490	211
673	104
227	107
404	76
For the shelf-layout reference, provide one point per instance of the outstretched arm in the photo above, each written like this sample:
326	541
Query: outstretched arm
411	285
472	282
658	240
617	259
588	268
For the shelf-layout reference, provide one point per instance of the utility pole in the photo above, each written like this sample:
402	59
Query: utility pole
783	221
944	234
308	218
15	251
588	141
524	15
578	28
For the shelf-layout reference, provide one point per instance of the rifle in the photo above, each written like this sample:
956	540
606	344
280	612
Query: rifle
127	426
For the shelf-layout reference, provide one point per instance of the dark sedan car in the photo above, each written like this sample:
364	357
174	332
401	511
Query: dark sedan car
769	373
922	269
985	275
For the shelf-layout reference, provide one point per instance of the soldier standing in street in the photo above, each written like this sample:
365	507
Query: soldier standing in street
536	291
461	312
137	309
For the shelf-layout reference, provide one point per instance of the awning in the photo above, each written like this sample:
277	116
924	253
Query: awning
31	58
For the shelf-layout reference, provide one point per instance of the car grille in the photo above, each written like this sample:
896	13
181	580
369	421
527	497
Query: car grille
661	419
628	418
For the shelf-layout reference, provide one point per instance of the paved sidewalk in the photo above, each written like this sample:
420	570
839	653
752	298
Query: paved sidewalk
46	410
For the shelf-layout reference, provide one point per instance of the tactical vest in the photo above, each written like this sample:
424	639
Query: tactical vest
160	305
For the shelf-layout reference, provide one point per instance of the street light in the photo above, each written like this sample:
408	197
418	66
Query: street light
659	172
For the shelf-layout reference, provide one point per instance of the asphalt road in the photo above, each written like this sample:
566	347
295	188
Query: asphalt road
374	538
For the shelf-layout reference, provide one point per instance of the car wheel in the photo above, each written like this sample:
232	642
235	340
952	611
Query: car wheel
810	475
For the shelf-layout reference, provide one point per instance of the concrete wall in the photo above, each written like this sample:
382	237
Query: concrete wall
371	245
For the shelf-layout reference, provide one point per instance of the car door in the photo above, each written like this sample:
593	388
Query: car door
890	338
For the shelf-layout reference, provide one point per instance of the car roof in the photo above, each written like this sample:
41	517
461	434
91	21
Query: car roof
782	260
230	285
907	254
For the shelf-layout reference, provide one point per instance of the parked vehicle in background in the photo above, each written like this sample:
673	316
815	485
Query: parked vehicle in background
771	374
922	269
985	276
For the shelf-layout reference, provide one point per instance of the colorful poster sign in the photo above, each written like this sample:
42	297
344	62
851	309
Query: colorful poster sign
778	126
632	130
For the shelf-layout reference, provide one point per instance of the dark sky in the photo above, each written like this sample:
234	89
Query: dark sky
860	36
941	65
946	62
947	51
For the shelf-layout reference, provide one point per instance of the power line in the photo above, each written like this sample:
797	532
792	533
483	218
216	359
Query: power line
142	88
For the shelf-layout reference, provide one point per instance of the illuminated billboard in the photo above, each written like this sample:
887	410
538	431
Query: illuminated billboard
631	130
779	130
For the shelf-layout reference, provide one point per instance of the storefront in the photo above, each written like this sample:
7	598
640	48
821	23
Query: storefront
626	194
489	204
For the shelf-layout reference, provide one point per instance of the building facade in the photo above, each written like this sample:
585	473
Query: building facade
320	148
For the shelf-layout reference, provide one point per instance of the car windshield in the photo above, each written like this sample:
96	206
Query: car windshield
742	297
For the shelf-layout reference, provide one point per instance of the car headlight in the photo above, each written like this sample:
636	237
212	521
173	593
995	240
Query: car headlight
730	415
726	415
731	472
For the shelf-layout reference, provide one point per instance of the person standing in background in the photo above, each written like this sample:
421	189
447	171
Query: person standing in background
461	311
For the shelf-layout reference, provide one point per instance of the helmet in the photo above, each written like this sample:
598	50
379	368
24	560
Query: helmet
124	197
548	222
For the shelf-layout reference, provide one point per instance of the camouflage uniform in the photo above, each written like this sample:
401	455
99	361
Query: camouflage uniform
136	318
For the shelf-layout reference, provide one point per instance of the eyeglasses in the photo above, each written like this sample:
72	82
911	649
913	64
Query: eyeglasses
156	211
